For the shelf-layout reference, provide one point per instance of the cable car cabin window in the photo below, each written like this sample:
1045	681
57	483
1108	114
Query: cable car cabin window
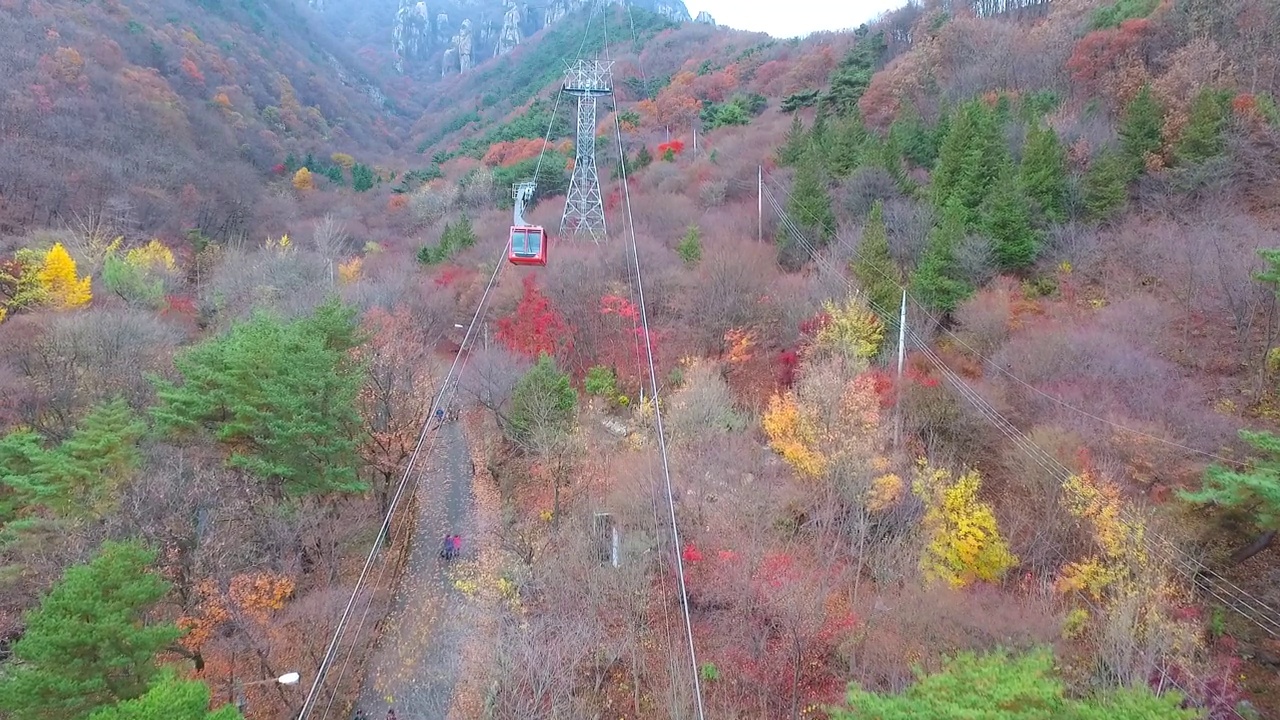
528	246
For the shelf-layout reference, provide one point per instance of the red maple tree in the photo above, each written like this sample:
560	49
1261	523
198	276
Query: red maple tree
535	326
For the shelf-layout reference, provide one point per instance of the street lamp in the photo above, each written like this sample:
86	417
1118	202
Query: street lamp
289	678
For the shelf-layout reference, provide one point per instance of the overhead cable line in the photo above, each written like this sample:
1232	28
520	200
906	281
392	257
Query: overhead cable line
659	429
406	480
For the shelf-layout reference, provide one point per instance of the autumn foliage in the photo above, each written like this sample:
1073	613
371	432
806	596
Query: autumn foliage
513	151
63	287
534	327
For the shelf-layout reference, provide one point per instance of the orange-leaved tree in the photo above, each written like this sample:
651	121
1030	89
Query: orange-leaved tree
831	418
675	106
302	180
63	287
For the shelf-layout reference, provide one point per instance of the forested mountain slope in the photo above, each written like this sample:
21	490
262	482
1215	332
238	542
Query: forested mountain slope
241	243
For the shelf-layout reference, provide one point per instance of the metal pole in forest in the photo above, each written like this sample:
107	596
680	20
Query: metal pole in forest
759	203
902	340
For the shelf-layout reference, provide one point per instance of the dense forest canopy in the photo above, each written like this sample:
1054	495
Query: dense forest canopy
959	330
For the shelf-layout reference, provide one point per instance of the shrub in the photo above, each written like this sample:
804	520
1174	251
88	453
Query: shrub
690	247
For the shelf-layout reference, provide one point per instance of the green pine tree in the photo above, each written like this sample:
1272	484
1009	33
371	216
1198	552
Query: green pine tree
969	159
169	698
810	204
794	145
1140	130
936	279
1254	490
845	145
690	246
464	236
918	141
21	481
543	402
89	644
1044	172
281	395
361	177
1014	241
874	269
853	75
1203	137
82	477
1106	185
997	686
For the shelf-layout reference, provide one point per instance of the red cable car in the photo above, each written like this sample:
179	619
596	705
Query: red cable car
528	246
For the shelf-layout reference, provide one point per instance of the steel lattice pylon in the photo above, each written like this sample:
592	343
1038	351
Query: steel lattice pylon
584	207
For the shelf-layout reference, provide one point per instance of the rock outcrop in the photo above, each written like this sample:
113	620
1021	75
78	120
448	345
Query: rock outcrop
509	36
674	11
498	24
705	18
465	43
411	33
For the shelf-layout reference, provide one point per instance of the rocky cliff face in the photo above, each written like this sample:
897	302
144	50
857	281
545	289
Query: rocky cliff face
705	18
456	35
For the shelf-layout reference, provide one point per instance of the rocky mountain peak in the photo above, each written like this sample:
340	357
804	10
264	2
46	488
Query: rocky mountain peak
456	35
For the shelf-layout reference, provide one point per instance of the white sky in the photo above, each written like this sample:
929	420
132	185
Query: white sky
789	18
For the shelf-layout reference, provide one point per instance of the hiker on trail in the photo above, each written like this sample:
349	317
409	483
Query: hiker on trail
391	714
439	415
456	545
446	548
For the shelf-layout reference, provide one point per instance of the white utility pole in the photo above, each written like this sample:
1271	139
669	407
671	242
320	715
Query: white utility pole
759	203
902	341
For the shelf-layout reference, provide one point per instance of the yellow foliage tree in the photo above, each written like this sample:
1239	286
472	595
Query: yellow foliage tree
153	256
829	419
349	271
282	245
20	286
302	180
346	161
853	330
792	435
60	281
964	539
1121	540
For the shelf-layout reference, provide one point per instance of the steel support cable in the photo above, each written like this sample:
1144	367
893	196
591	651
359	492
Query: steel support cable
983	407
635	327
1241	602
435	438
660	430
446	387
